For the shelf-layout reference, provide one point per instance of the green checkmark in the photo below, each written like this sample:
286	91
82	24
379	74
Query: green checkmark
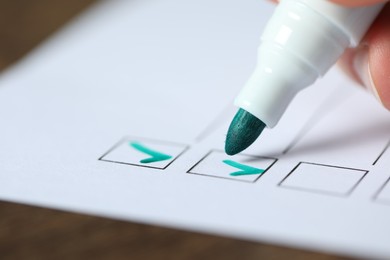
155	156
245	169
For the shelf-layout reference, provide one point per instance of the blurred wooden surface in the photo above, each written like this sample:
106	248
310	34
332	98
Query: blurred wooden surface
35	233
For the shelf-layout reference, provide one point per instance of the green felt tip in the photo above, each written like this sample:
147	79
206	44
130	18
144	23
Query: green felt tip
243	131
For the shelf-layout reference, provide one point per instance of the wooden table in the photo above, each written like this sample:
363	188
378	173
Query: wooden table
28	232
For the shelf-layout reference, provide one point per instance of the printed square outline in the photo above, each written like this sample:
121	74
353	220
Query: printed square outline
227	178
376	196
280	184
128	138
382	153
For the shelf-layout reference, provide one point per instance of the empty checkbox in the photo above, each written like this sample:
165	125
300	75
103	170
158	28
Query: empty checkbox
327	179
383	195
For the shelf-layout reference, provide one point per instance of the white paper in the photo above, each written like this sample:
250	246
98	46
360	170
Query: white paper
163	74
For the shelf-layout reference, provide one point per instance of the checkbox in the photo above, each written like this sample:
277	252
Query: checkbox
241	167
144	153
383	196
327	179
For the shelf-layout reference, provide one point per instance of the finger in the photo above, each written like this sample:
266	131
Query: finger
358	2
369	64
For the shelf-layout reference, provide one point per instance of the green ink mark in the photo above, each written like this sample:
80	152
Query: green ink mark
155	156
245	169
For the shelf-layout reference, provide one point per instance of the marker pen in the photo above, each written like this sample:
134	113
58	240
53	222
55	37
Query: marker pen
301	42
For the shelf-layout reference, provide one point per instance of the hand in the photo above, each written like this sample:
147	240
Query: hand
369	63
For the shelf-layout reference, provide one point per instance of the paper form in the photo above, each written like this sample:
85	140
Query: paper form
124	114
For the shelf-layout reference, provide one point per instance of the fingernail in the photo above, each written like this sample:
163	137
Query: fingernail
363	71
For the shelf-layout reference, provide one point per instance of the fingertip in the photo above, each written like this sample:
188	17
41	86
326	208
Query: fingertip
369	64
378	39
346	63
357	2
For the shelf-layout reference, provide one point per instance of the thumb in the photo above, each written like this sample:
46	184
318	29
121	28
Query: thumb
358	2
369	64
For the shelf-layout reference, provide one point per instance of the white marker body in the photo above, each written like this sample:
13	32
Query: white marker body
301	42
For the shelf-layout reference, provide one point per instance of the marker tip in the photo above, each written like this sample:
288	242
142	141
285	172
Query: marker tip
243	131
